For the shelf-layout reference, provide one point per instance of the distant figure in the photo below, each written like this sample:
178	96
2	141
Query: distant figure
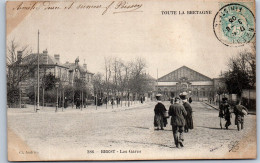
77	103
240	111
188	117
112	101
190	100
159	110
177	113
65	102
142	99
117	100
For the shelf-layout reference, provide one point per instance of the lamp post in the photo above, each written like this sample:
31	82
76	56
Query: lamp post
20	101
34	104
128	97
62	90
57	86
38	76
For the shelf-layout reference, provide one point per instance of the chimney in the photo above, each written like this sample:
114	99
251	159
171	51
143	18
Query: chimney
57	57
45	57
19	56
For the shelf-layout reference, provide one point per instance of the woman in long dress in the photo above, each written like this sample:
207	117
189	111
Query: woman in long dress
159	110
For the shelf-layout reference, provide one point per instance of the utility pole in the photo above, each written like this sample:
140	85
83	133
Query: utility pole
38	75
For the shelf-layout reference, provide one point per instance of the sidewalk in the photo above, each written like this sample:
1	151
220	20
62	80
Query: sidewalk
217	107
87	109
212	105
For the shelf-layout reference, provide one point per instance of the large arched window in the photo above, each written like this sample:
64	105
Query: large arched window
202	92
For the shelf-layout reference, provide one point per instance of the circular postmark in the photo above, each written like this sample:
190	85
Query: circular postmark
234	25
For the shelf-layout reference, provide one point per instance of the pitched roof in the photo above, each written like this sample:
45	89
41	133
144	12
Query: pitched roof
177	74
73	66
32	58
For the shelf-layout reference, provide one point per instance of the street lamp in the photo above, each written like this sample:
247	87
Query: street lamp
62	90
57	86
128	97
20	101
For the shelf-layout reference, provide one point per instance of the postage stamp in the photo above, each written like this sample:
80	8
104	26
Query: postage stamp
234	25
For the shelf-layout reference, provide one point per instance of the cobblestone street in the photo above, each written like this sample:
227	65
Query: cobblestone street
124	133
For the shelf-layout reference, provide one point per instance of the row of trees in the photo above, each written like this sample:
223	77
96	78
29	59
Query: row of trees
121	78
241	73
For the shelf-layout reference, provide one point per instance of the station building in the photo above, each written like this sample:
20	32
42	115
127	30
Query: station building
185	79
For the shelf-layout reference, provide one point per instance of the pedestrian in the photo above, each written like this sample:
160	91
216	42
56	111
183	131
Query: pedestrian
77	103
240	111
159	111
177	113
190	100
112	101
188	117
225	110
172	100
221	112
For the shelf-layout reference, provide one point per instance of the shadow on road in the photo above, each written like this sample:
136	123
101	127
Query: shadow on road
147	128
214	128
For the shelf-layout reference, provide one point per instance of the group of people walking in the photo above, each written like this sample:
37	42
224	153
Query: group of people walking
225	111
180	112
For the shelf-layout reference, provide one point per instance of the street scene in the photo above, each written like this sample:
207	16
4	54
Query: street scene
77	132
85	80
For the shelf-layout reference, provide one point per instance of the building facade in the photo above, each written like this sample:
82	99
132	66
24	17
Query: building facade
23	72
185	79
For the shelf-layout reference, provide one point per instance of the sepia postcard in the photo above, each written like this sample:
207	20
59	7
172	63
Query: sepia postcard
131	80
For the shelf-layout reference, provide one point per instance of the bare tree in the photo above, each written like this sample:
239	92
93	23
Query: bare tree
16	70
18	67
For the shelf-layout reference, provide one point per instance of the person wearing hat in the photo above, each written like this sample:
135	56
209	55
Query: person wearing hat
188	117
224	112
177	113
159	110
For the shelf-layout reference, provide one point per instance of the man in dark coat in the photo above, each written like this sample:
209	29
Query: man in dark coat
159	110
240	111
224	111
188	117
177	113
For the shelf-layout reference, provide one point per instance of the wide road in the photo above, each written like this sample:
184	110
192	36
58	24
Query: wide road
74	134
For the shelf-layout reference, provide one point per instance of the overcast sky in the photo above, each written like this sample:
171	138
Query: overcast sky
166	42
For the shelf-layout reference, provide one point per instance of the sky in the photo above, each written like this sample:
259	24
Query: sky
166	42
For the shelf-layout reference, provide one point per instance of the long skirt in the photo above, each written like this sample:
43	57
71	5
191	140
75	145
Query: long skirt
158	121
189	122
